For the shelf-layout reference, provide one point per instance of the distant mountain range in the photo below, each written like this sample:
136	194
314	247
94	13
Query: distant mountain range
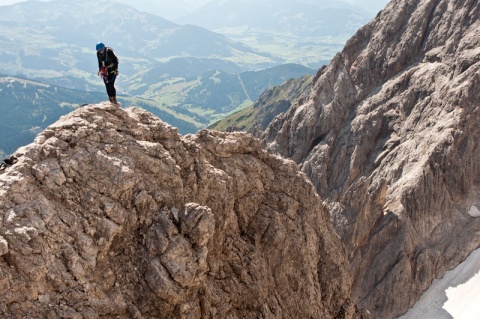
186	74
167	9
27	107
309	32
190	103
179	11
273	101
286	17
54	41
207	90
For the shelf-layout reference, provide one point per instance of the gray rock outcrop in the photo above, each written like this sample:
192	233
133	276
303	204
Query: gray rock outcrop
390	138
110	213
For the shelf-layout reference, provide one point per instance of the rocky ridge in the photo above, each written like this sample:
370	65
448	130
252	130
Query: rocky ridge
110	213
390	138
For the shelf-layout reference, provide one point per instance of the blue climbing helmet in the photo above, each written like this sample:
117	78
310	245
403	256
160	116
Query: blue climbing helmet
100	46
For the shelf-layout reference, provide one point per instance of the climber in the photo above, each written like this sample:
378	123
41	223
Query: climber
108	70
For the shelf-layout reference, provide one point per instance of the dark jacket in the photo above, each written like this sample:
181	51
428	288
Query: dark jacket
107	59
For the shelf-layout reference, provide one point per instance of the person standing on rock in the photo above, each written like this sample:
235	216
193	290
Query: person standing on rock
108	70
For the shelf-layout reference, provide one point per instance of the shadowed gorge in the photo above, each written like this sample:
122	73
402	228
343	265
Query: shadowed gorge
389	137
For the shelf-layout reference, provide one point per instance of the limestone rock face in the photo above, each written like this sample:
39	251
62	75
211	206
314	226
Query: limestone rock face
390	138
110	213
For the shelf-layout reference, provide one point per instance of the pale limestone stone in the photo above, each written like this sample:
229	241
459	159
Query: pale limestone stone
474	212
3	246
117	215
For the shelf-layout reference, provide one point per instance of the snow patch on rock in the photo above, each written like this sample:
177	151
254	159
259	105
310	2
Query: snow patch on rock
453	296
463	300
474	212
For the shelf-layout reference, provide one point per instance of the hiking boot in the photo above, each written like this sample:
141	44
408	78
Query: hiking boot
10	160
114	101
110	99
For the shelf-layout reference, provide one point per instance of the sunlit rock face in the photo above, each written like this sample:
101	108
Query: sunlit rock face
110	213
390	139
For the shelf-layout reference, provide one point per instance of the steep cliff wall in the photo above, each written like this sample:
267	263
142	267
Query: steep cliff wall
110	213
390	138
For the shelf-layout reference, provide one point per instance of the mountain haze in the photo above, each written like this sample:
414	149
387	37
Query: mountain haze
297	31
280	16
55	41
373	6
167	9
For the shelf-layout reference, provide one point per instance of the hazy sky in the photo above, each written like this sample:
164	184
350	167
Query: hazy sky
5	2
173	10
165	8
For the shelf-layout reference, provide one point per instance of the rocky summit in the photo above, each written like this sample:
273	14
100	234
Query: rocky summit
111	213
390	137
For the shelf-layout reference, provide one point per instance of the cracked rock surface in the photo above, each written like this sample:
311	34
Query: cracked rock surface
390	138
110	213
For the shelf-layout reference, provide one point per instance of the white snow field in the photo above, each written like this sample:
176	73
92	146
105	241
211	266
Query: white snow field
456	295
